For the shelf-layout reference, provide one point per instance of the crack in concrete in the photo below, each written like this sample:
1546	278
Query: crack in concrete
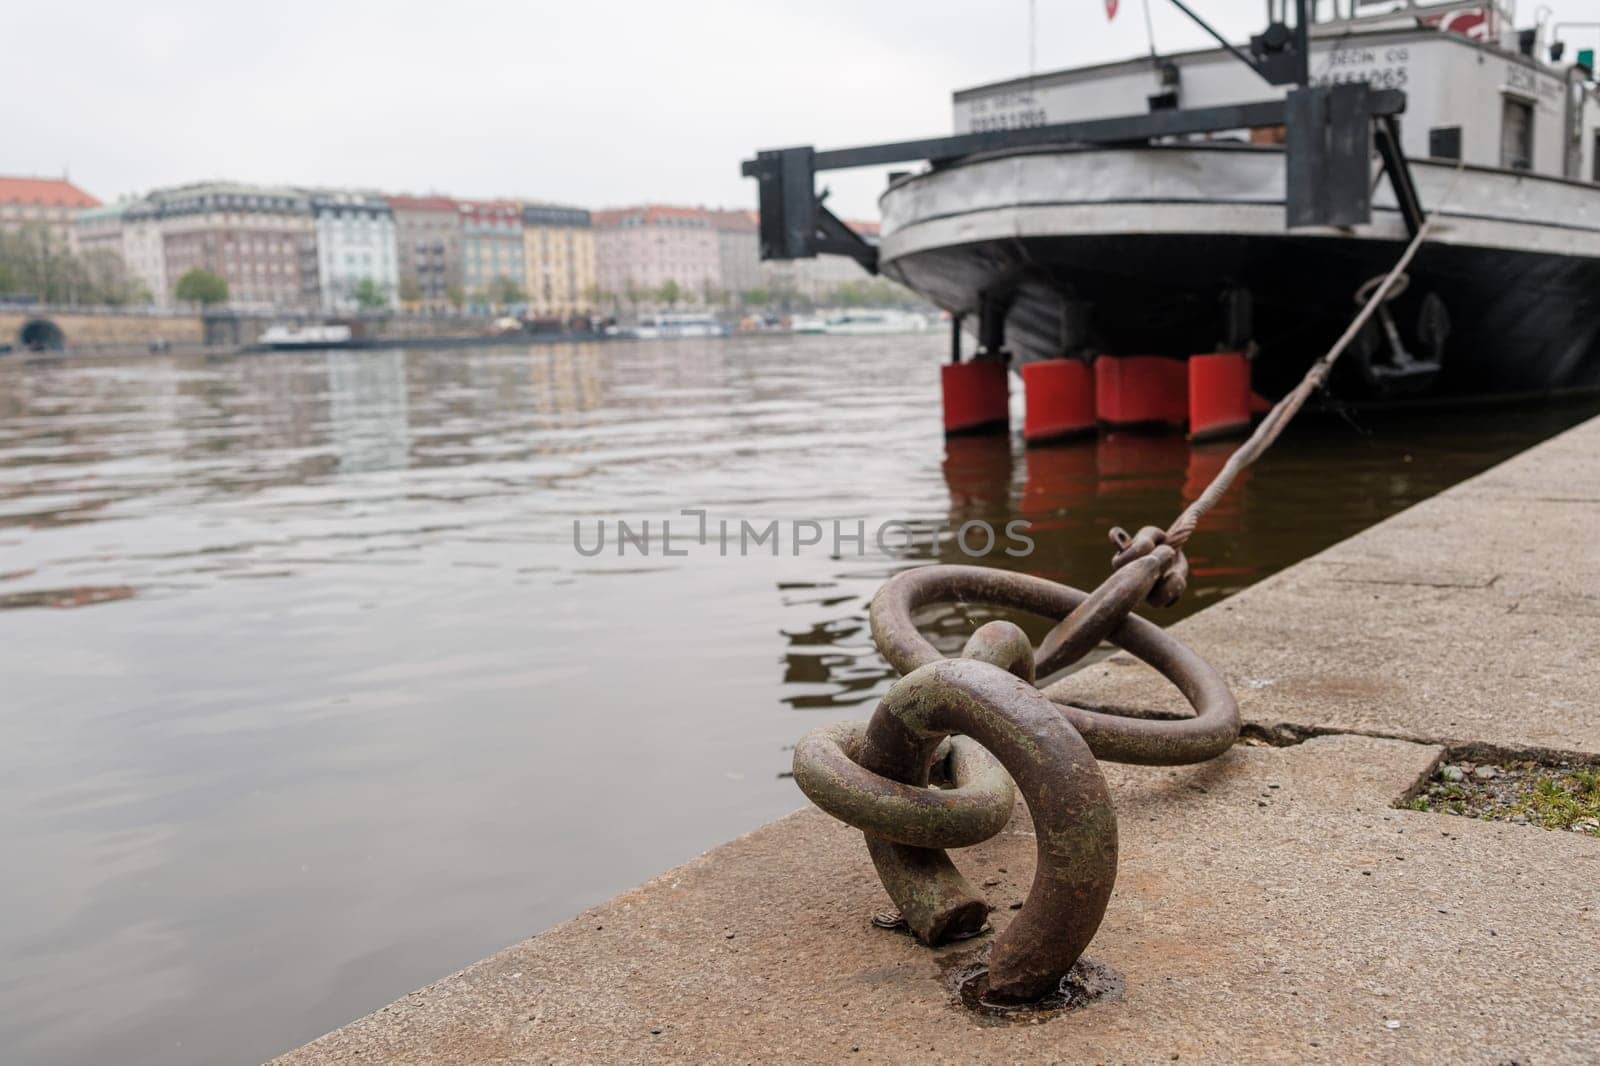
1418	582
1501	497
1286	734
1289	734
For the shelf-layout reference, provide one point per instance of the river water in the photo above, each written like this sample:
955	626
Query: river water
310	696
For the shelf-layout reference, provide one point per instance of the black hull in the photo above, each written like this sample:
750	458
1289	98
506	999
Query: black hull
1518	322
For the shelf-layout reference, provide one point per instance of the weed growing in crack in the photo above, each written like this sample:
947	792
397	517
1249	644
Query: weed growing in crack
1546	793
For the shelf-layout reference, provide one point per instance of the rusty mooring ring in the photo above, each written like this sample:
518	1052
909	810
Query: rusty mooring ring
1148	741
976	808
1075	825
876	777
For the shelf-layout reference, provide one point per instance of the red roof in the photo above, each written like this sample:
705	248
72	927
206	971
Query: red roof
421	203
503	210
490	205
48	192
735	221
738	221
648	214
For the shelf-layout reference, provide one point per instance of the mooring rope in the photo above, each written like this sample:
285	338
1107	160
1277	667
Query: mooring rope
1178	534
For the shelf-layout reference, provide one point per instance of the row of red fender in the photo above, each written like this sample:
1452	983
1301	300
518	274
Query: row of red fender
1067	397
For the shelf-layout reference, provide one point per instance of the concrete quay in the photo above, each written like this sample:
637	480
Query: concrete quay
1273	905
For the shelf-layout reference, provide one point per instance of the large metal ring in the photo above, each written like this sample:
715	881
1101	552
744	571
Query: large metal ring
1148	741
975	808
1075	826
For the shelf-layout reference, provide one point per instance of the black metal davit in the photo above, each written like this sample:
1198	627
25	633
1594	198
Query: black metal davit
1330	136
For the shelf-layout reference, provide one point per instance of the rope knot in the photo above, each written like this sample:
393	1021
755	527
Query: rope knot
1174	578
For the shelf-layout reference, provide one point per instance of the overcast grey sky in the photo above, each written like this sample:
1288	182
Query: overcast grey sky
594	103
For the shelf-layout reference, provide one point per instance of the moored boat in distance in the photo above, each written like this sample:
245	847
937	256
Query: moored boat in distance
672	325
865	322
282	337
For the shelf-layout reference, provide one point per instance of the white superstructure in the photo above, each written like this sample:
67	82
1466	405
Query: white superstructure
1467	99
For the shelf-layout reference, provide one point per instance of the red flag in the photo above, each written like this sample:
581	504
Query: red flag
1111	10
1470	22
1473	22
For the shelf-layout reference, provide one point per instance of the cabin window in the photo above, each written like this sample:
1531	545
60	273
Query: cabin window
1444	142
1516	134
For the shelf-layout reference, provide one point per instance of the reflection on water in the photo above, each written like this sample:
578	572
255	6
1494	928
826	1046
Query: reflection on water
309	699
367	410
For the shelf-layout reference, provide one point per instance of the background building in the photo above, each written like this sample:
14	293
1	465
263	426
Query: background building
144	253
357	263
739	255
99	229
128	235
340	251
558	256
816	282
428	243
51	204
491	252
639	250
260	239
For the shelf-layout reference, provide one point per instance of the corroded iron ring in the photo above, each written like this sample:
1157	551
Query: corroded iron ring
1075	826
1149	741
976	807
1174	573
1101	612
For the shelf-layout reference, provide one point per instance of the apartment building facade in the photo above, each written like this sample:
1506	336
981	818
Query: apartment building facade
739	253
559	260
357	260
638	250
128	232
428	245
50	204
492	250
260	239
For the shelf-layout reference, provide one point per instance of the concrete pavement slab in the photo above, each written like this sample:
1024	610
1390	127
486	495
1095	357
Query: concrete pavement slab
1271	907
